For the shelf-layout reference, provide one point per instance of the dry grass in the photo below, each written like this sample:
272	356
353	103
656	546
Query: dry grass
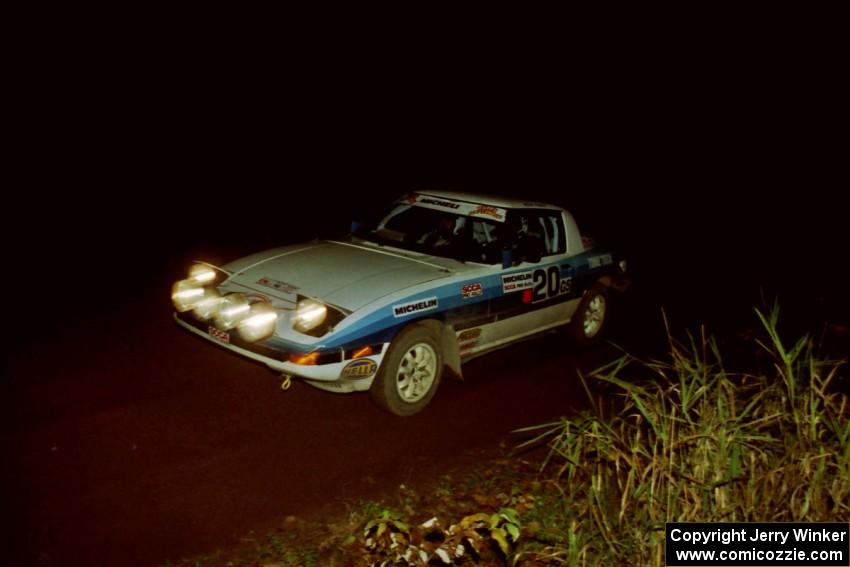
693	441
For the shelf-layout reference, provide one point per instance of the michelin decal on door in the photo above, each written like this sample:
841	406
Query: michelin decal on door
517	281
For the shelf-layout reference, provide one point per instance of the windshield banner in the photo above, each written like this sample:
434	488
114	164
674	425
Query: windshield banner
457	207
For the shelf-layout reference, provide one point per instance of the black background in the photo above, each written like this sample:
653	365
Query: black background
709	147
715	158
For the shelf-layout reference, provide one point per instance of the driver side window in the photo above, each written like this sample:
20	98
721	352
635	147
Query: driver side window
485	243
547	227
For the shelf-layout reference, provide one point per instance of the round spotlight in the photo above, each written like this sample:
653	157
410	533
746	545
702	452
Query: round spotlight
207	307
202	274
309	314
260	322
185	294
233	309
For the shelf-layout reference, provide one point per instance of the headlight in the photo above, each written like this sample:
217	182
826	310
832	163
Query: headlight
309	314
186	294
232	310
207	306
202	274
260	322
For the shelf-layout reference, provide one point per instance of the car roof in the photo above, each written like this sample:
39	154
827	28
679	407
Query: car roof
493	200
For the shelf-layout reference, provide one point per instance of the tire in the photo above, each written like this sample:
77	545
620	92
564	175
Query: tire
410	372
591	316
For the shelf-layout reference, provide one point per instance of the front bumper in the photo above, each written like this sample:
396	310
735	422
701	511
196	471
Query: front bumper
327	376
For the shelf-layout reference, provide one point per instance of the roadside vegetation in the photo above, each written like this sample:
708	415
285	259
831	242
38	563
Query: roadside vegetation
686	438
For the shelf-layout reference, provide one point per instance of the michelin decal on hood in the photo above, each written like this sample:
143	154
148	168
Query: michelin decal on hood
413	307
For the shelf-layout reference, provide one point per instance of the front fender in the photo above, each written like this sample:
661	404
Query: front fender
447	337
451	351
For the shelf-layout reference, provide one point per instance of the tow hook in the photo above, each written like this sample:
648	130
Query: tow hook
287	382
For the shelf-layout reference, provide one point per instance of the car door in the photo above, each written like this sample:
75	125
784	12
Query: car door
537	289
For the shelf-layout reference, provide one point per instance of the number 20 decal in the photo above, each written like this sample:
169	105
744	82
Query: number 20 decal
548	284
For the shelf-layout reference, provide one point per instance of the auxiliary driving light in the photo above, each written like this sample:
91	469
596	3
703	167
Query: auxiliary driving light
309	314
208	305
186	294
232	310
202	274
260	322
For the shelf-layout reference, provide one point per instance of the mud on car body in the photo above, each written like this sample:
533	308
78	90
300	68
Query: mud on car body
433	280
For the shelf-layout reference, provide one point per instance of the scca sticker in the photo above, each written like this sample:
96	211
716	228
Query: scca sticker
413	307
471	290
360	368
517	281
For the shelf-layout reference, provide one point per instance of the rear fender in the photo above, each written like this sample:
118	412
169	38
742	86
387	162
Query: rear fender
615	283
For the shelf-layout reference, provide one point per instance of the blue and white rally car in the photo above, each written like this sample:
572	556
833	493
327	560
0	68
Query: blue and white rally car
429	282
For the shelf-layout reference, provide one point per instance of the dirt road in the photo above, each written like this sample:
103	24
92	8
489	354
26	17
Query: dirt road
128	441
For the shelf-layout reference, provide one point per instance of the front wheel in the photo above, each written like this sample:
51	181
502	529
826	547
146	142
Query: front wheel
410	372
591	316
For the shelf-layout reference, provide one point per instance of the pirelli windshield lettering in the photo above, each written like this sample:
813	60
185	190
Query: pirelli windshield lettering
457	207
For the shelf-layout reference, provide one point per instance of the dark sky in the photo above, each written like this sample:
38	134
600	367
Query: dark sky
707	165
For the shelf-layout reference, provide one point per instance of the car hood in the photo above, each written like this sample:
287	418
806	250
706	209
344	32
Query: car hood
348	275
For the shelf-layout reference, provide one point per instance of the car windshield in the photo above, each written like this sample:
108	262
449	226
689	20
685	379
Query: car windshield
434	231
